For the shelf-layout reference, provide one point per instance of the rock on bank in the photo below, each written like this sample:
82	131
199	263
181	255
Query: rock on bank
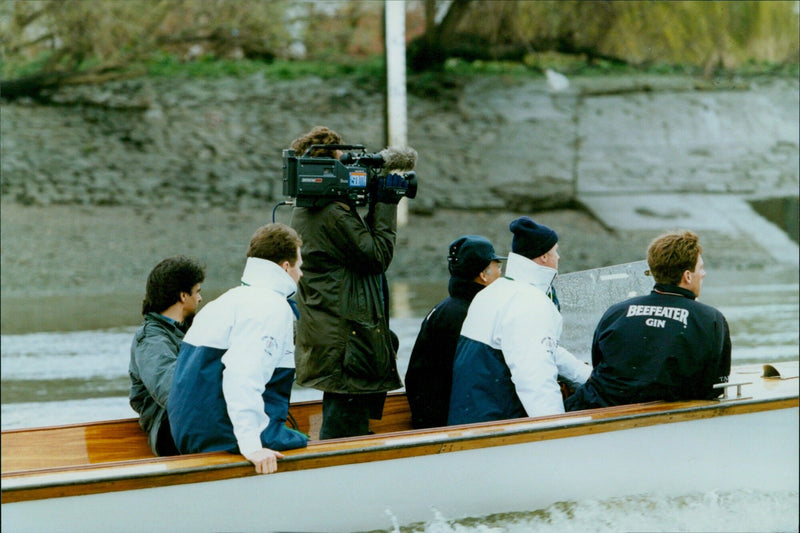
489	143
105	181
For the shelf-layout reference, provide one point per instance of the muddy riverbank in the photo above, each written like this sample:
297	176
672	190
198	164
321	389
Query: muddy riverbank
102	184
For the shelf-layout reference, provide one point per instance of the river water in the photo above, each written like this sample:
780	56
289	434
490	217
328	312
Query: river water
67	377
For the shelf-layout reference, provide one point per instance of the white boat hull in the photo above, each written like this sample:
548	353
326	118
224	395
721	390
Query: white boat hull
744	451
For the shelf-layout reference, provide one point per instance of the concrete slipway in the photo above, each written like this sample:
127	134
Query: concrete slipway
707	214
695	166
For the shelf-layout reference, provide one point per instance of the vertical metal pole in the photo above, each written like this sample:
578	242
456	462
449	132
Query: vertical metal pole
396	107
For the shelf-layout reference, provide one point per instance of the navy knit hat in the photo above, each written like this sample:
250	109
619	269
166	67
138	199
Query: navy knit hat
469	255
531	239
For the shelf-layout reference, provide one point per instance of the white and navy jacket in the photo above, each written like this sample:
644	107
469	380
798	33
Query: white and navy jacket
235	369
508	358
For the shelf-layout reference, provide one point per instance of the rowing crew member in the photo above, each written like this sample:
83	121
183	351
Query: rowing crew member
172	297
473	264
235	368
662	346
508	358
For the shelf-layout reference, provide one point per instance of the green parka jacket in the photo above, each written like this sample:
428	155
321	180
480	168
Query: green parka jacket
343	343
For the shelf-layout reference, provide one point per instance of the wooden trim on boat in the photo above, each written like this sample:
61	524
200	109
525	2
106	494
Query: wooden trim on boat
93	462
123	440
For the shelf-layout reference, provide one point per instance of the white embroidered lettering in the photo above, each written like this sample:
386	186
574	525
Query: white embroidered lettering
673	313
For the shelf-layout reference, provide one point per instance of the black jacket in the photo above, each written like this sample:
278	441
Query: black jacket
430	368
662	346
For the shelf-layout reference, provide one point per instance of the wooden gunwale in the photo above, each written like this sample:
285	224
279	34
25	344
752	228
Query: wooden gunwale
133	474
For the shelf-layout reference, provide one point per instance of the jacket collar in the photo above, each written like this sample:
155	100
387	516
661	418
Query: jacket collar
466	289
664	288
264	273
167	322
520	268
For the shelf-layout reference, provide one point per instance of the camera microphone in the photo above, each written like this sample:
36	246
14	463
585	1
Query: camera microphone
398	159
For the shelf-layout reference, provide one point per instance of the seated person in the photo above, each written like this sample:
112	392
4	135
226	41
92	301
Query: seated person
661	346
172	296
473	265
508	358
235	368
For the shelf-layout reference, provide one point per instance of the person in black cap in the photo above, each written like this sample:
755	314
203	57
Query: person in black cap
508	359
473	265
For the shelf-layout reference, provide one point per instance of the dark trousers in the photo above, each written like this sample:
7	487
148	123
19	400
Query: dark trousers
348	415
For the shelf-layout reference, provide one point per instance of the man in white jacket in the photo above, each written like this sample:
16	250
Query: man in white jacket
508	358
235	367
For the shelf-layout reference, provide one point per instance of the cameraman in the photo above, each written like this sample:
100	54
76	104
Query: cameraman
343	346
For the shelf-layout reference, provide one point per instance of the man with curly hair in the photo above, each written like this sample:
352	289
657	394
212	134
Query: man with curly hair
172	297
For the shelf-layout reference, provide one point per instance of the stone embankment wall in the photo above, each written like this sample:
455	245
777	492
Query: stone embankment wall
491	143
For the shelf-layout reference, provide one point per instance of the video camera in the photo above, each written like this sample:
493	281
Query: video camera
354	178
